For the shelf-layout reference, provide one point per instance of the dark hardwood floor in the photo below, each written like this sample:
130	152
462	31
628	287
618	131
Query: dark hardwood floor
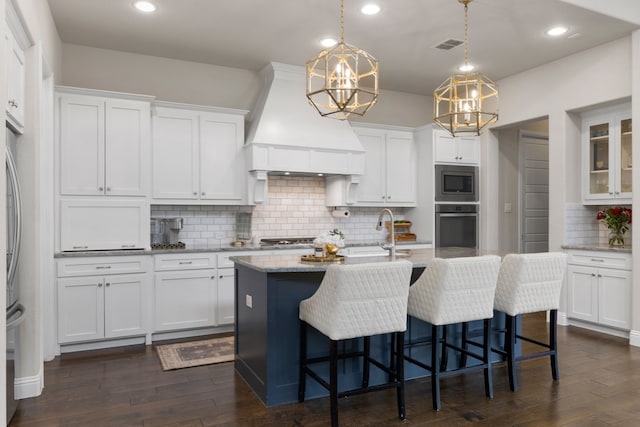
599	386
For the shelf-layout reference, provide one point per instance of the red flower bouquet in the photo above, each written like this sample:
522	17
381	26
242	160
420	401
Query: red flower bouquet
617	220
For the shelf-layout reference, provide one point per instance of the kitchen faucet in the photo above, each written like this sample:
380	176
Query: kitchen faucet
390	247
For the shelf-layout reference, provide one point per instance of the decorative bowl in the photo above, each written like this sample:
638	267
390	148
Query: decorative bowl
332	249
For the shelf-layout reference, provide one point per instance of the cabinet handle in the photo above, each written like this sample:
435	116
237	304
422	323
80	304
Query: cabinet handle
185	262
128	246
81	247
610	193
12	103
617	192
103	267
597	260
599	275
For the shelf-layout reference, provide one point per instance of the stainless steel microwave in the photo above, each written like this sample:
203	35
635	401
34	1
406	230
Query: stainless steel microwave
456	183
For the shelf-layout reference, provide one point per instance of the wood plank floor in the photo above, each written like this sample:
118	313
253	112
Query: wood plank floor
599	386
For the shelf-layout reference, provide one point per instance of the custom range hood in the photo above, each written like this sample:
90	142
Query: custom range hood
286	134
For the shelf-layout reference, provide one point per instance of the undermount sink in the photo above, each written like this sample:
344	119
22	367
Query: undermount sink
382	252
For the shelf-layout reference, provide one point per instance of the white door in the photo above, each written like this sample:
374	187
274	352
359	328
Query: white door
80	308
613	299
124	305
400	169
226	296
582	286
371	189
534	190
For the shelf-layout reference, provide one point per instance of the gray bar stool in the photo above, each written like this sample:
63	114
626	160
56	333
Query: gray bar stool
530	283
354	301
450	291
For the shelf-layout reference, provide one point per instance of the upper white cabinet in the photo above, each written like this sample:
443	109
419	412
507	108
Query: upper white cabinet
460	149
606	156
390	167
198	155
15	83
104	143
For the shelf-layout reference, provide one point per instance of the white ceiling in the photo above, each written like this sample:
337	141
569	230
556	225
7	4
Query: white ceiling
506	36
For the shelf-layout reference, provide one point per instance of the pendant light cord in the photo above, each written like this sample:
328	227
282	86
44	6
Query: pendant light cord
342	21
466	37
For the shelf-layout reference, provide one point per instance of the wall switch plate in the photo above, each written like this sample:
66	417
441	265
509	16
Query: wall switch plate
507	207
249	301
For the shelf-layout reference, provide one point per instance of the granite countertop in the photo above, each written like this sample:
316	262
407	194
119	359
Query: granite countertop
216	248
597	247
294	263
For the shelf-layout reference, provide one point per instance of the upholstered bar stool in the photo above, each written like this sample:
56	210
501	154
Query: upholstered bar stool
354	301
530	283
453	291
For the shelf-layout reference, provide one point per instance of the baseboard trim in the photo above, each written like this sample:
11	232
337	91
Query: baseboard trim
599	328
634	338
563	320
25	387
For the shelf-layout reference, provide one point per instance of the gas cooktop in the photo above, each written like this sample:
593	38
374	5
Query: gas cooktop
286	241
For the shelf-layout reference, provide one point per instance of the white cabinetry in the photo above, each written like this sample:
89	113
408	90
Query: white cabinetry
461	149
185	291
390	167
198	155
606	156
599	288
15	80
103	143
102	298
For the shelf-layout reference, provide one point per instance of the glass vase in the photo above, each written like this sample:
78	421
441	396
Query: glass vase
616	237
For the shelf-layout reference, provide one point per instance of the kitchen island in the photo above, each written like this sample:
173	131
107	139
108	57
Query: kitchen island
268	292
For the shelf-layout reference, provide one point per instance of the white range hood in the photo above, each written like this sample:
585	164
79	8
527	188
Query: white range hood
286	134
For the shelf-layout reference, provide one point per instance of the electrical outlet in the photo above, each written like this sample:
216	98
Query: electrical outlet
507	207
249	301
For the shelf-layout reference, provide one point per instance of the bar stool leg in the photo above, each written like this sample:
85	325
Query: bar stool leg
463	355
444	358
303	361
510	346
486	358
553	343
399	341
333	382
365	362
435	367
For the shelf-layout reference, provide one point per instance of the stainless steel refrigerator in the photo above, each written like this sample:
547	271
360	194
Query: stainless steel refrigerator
15	310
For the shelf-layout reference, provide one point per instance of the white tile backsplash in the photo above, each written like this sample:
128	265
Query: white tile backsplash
295	208
584	229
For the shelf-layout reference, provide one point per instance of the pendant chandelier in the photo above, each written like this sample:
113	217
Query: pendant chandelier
465	103
342	80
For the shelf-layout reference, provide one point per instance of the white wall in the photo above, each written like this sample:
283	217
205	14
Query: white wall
195	83
40	27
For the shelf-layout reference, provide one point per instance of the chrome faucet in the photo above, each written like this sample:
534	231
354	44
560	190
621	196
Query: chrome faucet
390	247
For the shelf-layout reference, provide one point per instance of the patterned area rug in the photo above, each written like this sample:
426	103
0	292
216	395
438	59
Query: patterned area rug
196	353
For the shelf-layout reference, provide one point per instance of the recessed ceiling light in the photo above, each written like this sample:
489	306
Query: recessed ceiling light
370	9
145	6
556	31
328	42
465	68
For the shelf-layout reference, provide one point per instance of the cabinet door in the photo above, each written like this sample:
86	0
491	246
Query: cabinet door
80	309
623	180
15	83
175	154
582	286
401	161
102	224
81	142
468	149
226	296
599	153
184	299
127	142
371	190
125	305
222	170
445	147
614	302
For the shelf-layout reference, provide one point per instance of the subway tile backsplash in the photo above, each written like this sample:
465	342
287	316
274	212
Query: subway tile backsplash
295	208
584	229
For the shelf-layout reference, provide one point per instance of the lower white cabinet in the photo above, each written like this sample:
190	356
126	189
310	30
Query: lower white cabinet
96	302
185	291
599	288
226	296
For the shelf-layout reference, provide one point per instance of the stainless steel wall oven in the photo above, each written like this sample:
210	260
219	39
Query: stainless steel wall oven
457	225
455	183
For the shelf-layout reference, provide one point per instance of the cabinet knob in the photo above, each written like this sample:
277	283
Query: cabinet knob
12	103
203	193
213	277
617	192
100	189
593	274
599	275
195	193
108	284
99	285
221	276
108	188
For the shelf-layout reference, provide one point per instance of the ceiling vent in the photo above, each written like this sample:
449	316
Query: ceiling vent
448	44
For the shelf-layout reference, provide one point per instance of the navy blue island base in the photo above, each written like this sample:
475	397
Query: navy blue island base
268	292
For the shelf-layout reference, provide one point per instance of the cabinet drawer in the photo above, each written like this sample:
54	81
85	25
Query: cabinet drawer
102	265
224	261
600	259
184	262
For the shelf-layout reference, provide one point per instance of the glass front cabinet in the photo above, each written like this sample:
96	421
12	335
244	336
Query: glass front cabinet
606	156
